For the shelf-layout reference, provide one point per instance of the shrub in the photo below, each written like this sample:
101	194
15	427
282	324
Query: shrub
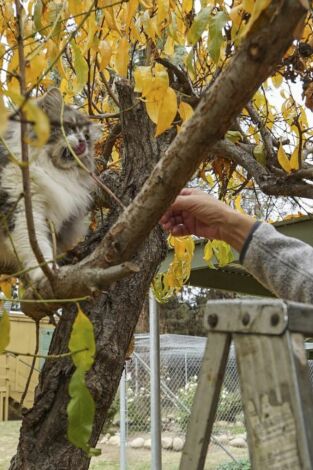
229	406
240	465
185	397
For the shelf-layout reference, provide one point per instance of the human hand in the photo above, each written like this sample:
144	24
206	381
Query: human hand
195	212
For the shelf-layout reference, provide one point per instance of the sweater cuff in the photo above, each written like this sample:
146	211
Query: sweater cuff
247	242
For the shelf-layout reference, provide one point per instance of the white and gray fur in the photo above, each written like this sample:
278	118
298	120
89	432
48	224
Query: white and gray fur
61	190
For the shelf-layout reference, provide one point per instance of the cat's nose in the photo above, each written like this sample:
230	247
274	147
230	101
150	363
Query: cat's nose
81	147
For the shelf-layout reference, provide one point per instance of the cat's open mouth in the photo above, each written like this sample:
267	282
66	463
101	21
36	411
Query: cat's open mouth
79	150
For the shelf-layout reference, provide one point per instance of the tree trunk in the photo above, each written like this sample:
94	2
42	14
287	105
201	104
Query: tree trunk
43	442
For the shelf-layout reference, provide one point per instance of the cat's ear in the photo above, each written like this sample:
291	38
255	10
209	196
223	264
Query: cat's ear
51	103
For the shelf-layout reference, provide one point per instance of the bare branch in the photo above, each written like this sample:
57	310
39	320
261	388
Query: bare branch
71	282
265	134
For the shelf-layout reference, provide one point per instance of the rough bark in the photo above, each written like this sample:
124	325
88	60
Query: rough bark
264	46
43	443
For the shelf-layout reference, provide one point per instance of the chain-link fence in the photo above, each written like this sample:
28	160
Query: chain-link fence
180	361
180	364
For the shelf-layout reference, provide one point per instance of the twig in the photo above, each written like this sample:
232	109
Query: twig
32	367
107	86
43	356
265	134
24	150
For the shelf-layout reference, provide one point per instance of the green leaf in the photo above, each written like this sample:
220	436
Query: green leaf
4	331
223	252
233	136
259	154
81	67
38	15
80	412
82	337
199	25
189	62
216	25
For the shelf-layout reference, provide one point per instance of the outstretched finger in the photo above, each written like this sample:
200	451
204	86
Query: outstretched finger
179	230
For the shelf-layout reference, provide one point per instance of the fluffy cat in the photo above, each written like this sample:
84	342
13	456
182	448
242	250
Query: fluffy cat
61	190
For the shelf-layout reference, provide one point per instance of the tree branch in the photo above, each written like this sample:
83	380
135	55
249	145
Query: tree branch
70	282
270	184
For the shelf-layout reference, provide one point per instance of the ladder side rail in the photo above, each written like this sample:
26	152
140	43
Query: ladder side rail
205	401
302	394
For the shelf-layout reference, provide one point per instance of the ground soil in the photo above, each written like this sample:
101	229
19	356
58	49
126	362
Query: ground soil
137	459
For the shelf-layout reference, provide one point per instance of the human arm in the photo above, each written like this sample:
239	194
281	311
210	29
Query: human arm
282	264
195	212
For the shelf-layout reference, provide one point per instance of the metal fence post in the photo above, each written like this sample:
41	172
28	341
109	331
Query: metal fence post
123	459
156	457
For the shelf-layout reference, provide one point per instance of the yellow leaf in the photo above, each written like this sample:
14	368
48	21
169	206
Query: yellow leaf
259	6
143	80
208	252
187	5
209	179
122	57
6	287
237	203
105	52
303	118
282	158
76	7
163	10
161	290
131	10
277	80
147	25
110	19
135	34
167	111
185	111
34	114
294	159
147	4
153	104
169	46
248	5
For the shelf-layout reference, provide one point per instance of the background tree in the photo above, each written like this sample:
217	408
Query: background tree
167	79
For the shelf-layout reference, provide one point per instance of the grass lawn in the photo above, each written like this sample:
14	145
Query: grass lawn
137	459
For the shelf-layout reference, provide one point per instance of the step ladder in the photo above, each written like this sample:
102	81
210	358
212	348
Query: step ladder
276	390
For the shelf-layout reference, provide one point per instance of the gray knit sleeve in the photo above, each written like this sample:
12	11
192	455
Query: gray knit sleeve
282	264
